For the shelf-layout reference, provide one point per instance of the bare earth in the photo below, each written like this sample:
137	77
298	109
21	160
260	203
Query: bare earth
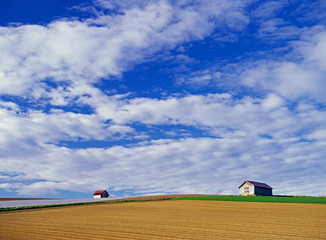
169	219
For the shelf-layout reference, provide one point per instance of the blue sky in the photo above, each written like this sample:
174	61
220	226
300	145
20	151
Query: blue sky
153	97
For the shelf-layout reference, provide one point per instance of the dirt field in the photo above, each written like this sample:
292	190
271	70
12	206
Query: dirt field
169	220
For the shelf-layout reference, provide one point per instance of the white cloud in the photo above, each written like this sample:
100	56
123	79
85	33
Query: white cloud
217	114
219	111
272	102
310	12
261	139
313	48
294	79
202	165
268	9
9	106
297	74
21	132
254	138
277	28
72	50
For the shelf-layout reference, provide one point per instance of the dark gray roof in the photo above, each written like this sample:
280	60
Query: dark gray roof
257	184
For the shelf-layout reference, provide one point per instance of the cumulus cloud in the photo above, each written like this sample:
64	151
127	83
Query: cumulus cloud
53	71
210	111
22	131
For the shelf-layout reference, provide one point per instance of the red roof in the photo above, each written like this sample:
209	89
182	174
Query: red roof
99	192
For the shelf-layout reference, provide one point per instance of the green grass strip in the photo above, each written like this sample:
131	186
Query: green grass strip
276	199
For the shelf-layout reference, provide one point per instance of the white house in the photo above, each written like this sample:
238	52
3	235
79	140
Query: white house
255	188
101	194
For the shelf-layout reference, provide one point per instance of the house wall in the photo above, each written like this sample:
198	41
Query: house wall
105	195
96	196
247	189
263	191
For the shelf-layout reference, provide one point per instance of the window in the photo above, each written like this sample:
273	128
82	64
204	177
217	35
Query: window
246	188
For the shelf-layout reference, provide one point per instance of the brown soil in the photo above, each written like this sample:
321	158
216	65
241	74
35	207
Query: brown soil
172	219
164	196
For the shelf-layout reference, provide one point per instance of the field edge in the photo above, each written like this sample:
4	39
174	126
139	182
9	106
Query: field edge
81	203
198	197
269	199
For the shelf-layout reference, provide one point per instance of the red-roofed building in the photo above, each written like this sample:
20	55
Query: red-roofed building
101	194
255	188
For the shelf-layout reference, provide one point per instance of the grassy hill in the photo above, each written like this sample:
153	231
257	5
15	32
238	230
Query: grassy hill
279	199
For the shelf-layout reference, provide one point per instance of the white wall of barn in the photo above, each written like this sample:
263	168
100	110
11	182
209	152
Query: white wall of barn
247	189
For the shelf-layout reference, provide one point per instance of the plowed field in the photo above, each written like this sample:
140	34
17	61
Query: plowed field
170	219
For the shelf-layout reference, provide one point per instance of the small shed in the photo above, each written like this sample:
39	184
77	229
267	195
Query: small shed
255	188
101	194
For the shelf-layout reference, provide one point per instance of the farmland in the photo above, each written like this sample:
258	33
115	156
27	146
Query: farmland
170	219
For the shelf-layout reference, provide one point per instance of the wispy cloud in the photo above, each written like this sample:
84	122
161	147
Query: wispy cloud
268	9
303	77
71	50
